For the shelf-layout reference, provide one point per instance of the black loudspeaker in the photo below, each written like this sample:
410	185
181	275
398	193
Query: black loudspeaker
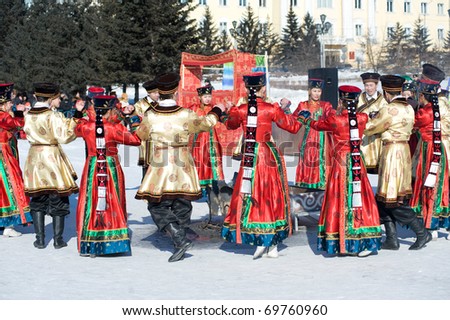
330	87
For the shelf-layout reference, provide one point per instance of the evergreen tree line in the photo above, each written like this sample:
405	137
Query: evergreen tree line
403	52
127	42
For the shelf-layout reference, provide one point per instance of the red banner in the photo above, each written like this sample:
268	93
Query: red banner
191	79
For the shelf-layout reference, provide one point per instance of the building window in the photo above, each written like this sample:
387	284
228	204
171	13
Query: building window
358	30
293	3
424	33
423	8
357	4
407	32
324	3
440	33
390	5
407	7
242	3
440	7
223	2
262	3
202	2
390	32
223	27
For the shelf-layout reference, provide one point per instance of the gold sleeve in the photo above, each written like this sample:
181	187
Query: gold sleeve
63	128
201	123
379	123
143	131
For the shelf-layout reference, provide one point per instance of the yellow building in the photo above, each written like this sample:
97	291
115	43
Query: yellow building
352	21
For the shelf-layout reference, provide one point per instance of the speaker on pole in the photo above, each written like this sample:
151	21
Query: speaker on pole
330	87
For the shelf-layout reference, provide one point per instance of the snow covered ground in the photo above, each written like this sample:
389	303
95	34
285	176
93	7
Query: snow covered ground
213	269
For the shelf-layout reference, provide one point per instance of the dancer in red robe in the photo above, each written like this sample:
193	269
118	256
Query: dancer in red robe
101	213
315	146
206	149
259	212
349	221
14	205
430	198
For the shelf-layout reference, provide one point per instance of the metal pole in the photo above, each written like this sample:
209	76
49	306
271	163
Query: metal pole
322	51
266	64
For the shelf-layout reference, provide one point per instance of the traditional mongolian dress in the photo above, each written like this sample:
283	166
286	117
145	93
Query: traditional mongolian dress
171	173
49	177
103	230
14	205
430	199
171	181
315	148
259	212
47	168
371	145
395	123
347	225
144	150
207	152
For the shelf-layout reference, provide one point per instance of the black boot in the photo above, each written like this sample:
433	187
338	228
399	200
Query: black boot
423	236
39	228
181	243
391	242
58	229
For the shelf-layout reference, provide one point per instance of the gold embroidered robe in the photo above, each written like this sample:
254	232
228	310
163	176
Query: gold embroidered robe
171	173
371	146
140	108
394	122
47	168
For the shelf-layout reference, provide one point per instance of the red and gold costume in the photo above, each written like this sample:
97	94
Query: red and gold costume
431	201
262	217
315	147
206	151
343	229
14	205
106	231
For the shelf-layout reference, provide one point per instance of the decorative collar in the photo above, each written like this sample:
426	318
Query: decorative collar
400	99
38	105
374	96
167	103
166	106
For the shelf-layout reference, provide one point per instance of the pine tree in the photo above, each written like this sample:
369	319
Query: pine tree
248	32
255	37
397	49
269	40
172	32
447	41
12	13
46	47
420	41
123	41
309	53
143	38
290	42
224	41
208	40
